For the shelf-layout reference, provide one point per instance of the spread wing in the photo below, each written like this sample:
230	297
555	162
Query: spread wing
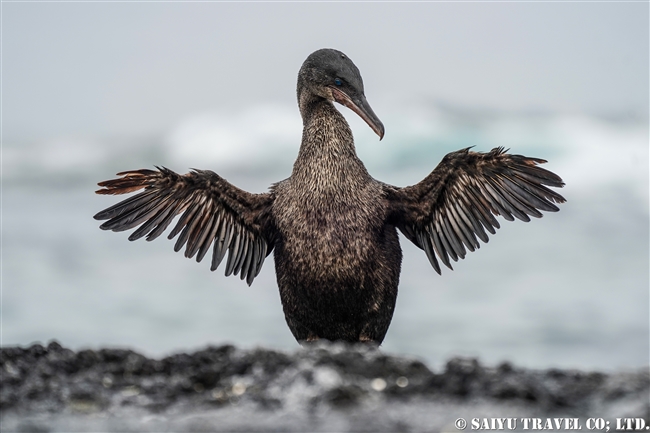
454	206
214	213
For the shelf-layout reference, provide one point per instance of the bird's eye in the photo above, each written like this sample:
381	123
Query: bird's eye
338	81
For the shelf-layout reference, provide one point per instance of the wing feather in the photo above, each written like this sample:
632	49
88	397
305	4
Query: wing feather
251	270
210	237
133	215
428	249
160	228
496	201
250	250
189	213
222	243
199	234
453	207
212	212
125	205
264	251
517	199
507	201
145	228
472	219
459	227
437	245
487	210
452	237
243	251
445	238
529	194
233	252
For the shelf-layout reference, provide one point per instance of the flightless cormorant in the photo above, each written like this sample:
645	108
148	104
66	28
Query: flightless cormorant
332	227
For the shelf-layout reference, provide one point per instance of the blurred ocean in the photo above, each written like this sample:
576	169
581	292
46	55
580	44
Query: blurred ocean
569	290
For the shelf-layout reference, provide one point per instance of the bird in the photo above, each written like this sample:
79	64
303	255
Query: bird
332	227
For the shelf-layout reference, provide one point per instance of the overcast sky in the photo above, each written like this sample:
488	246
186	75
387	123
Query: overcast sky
128	69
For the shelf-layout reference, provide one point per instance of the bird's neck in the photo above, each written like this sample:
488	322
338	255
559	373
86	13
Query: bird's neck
327	150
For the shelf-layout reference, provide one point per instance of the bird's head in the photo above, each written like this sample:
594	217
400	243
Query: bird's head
331	75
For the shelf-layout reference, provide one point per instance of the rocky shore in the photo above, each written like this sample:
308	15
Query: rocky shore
325	387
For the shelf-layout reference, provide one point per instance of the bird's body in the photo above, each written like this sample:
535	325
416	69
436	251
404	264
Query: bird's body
332	227
337	260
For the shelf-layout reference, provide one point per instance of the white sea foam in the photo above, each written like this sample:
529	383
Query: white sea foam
254	136
596	153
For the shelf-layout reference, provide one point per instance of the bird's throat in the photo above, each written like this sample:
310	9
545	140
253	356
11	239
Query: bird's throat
327	158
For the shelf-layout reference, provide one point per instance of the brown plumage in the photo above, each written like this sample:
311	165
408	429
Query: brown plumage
332	227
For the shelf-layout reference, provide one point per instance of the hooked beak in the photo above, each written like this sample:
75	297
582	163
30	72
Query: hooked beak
360	106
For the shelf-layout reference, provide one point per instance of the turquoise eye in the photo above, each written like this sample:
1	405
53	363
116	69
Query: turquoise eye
337	81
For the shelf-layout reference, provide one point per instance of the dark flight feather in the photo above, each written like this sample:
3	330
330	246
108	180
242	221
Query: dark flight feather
452	206
233	251
437	245
209	237
211	209
221	245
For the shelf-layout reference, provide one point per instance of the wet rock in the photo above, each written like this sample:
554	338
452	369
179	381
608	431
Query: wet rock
323	387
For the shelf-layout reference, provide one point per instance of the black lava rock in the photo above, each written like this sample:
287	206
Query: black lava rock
322	387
